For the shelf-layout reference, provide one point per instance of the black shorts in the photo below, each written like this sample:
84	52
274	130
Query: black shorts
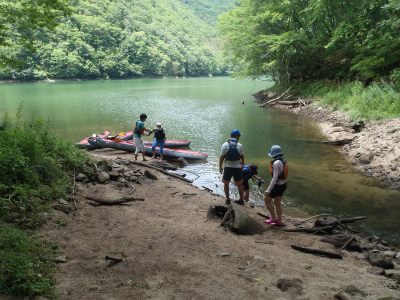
235	172
245	185
277	190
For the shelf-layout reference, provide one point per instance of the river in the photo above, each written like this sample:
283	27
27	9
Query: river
205	111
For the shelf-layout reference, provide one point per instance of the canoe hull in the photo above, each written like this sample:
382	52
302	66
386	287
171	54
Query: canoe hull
168	152
84	144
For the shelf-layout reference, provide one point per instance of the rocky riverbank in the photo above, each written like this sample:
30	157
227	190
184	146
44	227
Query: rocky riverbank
372	147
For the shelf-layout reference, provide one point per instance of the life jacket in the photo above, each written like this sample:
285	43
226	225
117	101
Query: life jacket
284	174
233	153
159	134
138	131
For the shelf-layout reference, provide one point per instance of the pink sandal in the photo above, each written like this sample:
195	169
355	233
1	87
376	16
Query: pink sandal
277	223
270	220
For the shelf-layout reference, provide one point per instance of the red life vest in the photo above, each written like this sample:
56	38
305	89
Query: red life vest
285	173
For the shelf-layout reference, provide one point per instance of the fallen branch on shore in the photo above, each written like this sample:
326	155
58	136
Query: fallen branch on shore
327	225
114	259
348	242
344	241
279	97
310	230
338	142
351	220
162	171
317	252
113	202
341	296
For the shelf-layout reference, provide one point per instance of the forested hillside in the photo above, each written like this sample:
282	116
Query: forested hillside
314	39
122	39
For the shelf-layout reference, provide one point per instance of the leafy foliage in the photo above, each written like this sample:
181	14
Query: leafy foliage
18	18
26	263
35	170
377	101
314	39
120	39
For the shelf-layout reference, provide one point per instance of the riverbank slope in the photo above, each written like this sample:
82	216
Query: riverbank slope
372	147
169	247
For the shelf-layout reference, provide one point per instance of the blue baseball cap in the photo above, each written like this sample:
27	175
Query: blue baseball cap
275	151
235	132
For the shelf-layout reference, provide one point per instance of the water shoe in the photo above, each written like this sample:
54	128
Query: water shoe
277	223
270	220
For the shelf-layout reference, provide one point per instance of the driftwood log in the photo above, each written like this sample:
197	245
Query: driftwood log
236	219
279	97
338	142
317	252
163	164
351	220
326	225
162	171
327	221
311	230
343	241
295	102
113	201
262	215
182	161
341	296
207	189
114	259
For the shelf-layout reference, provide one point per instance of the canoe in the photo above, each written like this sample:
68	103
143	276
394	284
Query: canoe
131	147
168	143
84	144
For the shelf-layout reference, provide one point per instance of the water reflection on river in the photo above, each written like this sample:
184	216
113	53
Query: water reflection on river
205	110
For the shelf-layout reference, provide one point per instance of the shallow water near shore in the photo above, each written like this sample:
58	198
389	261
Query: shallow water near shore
205	110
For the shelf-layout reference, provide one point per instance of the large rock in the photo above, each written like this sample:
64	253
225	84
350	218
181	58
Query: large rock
102	177
366	158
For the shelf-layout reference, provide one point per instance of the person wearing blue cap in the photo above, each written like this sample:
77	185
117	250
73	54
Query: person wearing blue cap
232	154
279	171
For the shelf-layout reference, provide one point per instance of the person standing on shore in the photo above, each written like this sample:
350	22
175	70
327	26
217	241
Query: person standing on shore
232	154
279	170
159	134
138	130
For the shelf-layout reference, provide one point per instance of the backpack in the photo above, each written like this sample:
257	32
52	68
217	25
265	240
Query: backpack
285	173
233	153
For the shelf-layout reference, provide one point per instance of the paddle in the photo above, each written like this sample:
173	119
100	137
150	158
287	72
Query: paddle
118	140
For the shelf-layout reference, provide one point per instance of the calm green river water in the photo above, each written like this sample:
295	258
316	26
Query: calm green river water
205	110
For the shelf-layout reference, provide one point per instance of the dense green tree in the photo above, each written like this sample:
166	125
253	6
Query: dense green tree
19	18
313	39
121	38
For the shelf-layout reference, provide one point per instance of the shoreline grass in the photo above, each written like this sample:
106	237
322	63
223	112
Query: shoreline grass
36	169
